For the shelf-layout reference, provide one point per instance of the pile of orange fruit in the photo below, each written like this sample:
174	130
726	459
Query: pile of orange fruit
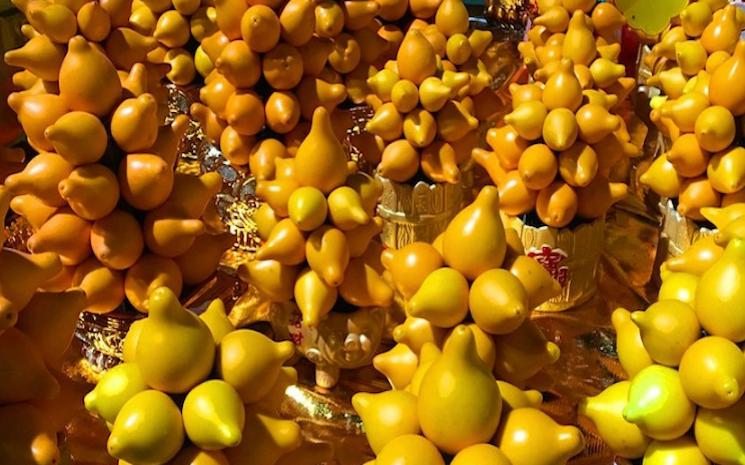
557	149
698	63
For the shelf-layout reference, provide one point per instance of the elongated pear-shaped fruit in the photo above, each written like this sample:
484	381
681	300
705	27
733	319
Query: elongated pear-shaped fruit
87	79
251	362
65	234
114	389
363	286
320	160
733	68
443	415
538	283
718	295
386	416
148	429
513	397
216	319
579	43
27	436
416	58
184	343
314	297
286	244
524	427
146	180
134	124
345	209
723	217
170	236
441	299
478	225
266	438
40	56
662	177
41	177
606	411
417	332
523	353
398	365
213	415
327	253
271	278
563	89
78	137
712	372
91	191
410	266
498	302
631	351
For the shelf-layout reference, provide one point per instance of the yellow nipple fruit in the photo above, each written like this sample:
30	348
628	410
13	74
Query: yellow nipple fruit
113	390
148	274
557	204
87	79
91	191
631	351
719	433
507	145
217	321
183	341
723	217
676	452
66	234
563	89
405	95
145	180
420	128
688	158
579	43
358	239
251	362
441	299
555	18
657	404
685	110
369	190
193	455
52	331
116	240
399	162
538	283
134	124
560	129
22	274
528	120
606	412
595	123
327	253
168	235
732	68
345	208
513	397
172	29
433	94
410	265
409	449
386	122
148	429
723	32
41	177
719	294
663	178
27	436
667	328
522	428
523	353
473	225
416	58
213	415
712	372
285	244
78	137
726	170
537	166
695	17
498	302
267	438
691	56
715	128
480	454
452	17
325	172
416	333
578	165
398	365
440	163
697	259
28	377
40	56
386	416
363	286
271	278
455	121
459	404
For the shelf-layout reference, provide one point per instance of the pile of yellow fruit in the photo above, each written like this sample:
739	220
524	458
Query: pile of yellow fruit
684	402
101	192
445	396
557	150
319	226
698	64
428	101
36	328
197	378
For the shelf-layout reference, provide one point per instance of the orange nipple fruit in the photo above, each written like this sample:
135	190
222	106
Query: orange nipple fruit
31	208
170	236
104	287
87	79
40	56
149	273
22	274
134	125
202	258
191	194
66	234
36	113
91	191
595	199
416	58
695	194
538	166
40	177
557	204
145	180
79	137
117	241
125	47
325	172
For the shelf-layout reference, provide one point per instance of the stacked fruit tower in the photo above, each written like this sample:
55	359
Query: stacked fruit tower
101	192
683	402
696	63
219	387
36	328
558	148
466	345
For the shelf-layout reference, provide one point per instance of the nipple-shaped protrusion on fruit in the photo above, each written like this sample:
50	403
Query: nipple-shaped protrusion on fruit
40	177
78	137
27	436
103	286
183	342
563	89
663	178
538	283
27	376
40	56
32	209
595	199
314	297
148	274
420	128
667	329
398	365
723	32
66	234
213	415
363	286
443	415
134	124
723	217
522	428
416	333
148	429
386	416
513	397
36	112
113	390
498	302
216	319
327	253
579	43
410	266
528	119
271	278
688	158
169	137
695	17
91	191
442	298
606	412
416	58
87	79
715	128
523	353
595	123
320	160
631	351
266	438
717	299
286	244
719	92
712	372
657	404
55	21
726	170
145	180
345	209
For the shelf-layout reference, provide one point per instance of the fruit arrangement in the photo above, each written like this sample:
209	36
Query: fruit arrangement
458	339
318	223
696	63
217	386
428	101
557	149
683	403
101	192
